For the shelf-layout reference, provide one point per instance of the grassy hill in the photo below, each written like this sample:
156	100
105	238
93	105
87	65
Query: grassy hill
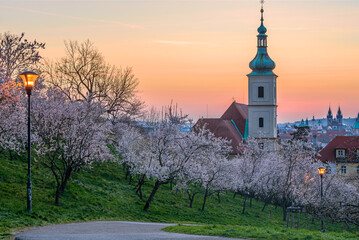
103	193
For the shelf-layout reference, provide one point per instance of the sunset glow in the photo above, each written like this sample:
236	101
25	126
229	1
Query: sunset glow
197	52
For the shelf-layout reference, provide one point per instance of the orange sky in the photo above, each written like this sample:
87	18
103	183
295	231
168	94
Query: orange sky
196	53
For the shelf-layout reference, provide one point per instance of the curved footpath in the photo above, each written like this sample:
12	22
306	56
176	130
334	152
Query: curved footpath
107	230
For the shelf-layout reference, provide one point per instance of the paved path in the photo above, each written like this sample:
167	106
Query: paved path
106	230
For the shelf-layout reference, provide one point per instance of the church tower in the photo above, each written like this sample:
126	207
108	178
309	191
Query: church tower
262	91
340	117
329	117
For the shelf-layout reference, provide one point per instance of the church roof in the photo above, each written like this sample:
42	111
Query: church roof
232	125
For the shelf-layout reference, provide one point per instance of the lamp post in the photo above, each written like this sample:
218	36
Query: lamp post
321	171
29	79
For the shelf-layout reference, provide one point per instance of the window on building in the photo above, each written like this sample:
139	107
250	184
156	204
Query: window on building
344	169
260	92
261	122
340	153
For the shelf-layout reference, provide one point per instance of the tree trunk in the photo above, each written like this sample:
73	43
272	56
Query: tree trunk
284	212
191	199
11	156
171	182
250	202
234	195
57	196
139	186
204	199
219	196
139	192
61	188
264	206
348	226
244	204
127	172
154	190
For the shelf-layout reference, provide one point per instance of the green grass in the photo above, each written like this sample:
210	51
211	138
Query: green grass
102	193
255	232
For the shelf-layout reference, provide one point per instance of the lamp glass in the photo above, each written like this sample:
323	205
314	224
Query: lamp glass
321	170
29	79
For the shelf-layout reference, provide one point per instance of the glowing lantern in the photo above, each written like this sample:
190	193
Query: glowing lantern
321	171
29	79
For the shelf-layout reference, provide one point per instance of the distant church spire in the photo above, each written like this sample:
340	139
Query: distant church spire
262	11
262	64
330	115
339	116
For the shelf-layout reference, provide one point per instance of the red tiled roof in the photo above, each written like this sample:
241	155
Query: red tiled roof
349	143
285	136
330	135
223	127
238	113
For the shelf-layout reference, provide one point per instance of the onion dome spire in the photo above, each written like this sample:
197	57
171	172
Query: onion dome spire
262	64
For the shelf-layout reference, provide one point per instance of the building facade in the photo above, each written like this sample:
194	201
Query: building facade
342	155
262	91
334	123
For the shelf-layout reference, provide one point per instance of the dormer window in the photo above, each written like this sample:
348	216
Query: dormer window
340	153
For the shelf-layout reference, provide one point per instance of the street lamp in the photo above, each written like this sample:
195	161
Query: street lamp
321	171
29	79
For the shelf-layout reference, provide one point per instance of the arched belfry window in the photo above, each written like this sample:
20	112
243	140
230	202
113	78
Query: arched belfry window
261	122
260	92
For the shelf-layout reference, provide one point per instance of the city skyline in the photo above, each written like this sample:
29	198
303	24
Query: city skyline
196	53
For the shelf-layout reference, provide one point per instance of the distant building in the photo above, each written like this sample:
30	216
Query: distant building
342	154
316	125
259	118
355	129
334	123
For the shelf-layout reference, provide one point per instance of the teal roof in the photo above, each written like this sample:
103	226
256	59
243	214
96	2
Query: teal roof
245	137
356	125
246	130
262	64
262	29
302	123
